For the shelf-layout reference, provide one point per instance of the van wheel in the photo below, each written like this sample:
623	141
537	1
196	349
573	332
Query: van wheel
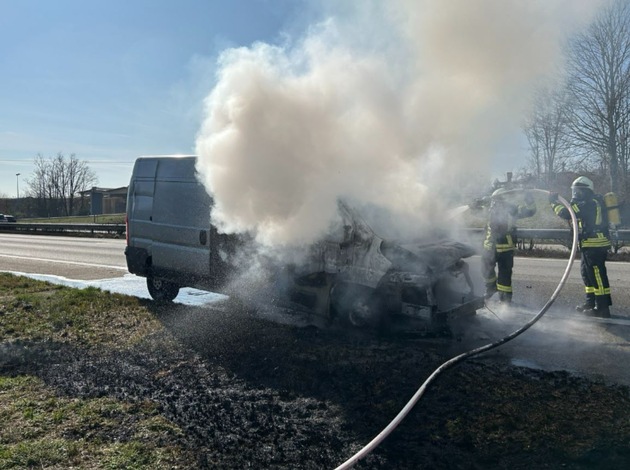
161	290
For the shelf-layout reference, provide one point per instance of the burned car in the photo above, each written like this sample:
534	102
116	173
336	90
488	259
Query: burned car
353	278
362	280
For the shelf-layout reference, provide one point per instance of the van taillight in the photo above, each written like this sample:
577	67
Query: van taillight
127	228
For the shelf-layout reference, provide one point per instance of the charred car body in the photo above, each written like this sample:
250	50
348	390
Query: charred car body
353	278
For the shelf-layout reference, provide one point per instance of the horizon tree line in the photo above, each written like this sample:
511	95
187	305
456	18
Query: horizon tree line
581	123
56	182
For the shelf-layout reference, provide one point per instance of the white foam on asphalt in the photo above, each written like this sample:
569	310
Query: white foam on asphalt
129	284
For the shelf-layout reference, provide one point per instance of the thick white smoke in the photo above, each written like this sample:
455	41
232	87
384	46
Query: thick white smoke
390	104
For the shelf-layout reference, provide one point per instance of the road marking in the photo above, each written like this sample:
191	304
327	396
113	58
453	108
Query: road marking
560	316
78	263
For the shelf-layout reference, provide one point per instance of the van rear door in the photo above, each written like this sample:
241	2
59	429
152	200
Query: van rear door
181	219
140	202
169	217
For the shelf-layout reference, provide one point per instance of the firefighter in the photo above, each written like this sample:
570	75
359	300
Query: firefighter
594	238
500	241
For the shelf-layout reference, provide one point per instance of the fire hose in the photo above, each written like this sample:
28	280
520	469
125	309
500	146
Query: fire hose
457	359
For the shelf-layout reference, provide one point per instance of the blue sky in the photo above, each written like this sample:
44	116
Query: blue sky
440	88
109	80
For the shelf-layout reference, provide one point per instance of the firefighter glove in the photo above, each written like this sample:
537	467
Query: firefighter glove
553	197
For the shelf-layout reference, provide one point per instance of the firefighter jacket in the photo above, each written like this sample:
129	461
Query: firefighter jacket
501	226
592	218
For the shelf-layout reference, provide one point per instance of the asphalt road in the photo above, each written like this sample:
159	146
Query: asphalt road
71	257
562	339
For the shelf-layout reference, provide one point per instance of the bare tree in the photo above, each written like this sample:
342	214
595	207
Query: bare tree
598	84
39	187
4	203
79	177
623	149
547	133
57	180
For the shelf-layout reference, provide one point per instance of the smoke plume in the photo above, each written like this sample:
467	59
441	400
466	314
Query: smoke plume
392	104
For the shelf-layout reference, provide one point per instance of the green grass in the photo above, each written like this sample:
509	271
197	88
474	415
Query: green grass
47	430
44	429
34	310
83	219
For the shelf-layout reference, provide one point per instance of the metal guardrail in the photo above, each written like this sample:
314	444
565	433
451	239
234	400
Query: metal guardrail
63	229
554	236
550	235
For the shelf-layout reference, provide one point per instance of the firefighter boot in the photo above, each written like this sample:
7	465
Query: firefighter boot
589	304
601	309
505	297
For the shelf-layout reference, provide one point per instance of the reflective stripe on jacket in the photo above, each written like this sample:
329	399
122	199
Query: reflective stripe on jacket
592	221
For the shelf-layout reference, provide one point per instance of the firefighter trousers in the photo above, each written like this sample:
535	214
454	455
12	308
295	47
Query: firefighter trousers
504	262
595	276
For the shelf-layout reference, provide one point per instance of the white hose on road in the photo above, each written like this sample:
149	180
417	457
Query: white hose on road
457	359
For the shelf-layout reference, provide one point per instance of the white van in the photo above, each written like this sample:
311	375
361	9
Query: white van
354	275
170	240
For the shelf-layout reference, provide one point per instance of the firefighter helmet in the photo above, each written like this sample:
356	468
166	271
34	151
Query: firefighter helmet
582	182
581	188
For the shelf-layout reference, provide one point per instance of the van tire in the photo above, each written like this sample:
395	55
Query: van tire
162	290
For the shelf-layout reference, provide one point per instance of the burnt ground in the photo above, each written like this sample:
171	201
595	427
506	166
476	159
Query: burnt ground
248	393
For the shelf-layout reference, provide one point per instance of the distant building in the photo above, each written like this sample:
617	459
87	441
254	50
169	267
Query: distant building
106	200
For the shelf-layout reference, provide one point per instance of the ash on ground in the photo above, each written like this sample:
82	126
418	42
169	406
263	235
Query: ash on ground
249	393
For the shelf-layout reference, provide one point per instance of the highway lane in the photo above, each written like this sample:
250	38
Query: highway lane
535	279
563	339
71	257
96	258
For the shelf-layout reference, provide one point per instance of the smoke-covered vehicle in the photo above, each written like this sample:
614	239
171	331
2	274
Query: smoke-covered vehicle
354	277
362	280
